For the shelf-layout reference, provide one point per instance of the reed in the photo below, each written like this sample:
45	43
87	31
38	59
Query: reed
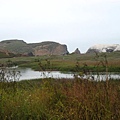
61	99
51	99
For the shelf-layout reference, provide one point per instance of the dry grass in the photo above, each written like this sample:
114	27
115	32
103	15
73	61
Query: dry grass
64	99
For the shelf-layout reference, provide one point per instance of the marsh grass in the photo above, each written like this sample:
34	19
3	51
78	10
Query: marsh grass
67	63
63	99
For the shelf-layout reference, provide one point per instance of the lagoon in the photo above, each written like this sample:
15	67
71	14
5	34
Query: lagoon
18	74
28	73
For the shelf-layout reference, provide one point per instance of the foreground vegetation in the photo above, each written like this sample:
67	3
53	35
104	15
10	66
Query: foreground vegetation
63	99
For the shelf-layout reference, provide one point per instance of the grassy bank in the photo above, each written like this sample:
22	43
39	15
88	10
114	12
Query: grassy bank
90	62
50	99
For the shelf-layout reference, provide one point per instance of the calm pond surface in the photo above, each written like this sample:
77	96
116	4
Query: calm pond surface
28	74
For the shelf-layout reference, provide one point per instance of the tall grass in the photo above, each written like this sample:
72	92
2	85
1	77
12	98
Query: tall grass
67	63
63	99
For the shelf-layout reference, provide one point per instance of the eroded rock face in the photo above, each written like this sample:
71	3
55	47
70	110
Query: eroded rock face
77	51
50	48
37	49
34	49
104	48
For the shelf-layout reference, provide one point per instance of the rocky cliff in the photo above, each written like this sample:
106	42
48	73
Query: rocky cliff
50	48
77	51
36	49
104	48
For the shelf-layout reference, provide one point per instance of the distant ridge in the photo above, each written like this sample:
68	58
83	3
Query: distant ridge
104	48
37	49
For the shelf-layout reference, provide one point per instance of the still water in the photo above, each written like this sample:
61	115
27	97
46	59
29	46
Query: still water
28	73
17	74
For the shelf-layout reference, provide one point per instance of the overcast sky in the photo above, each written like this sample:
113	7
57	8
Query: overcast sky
76	23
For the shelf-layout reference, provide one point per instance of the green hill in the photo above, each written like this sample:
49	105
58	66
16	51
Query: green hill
15	46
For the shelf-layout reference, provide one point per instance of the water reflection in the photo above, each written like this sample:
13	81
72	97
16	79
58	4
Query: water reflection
28	74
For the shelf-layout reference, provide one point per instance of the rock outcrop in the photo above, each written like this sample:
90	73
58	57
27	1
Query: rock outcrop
77	51
36	49
50	48
104	48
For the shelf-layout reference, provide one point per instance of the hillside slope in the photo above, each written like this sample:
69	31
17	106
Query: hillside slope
37	49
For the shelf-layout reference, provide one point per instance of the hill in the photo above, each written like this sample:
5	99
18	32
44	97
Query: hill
37	49
104	48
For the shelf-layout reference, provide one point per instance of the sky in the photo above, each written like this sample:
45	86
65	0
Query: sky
76	23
